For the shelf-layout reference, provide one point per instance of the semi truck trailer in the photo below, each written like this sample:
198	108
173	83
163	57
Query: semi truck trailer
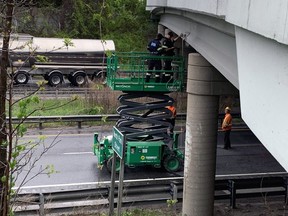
54	59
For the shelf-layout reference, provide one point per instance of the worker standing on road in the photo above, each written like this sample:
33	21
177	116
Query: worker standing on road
226	127
155	48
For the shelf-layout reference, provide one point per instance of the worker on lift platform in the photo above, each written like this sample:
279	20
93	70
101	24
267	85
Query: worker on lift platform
155	48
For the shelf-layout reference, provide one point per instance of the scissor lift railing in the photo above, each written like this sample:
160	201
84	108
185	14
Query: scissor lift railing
127	71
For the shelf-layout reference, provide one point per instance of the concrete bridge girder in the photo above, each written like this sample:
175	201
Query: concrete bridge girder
219	48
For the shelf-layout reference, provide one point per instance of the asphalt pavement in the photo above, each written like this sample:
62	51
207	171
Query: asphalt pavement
247	155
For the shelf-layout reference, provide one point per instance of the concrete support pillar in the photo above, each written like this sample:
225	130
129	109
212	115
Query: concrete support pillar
201	137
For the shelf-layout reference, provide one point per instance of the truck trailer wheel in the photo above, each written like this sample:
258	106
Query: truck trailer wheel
109	164
55	79
172	163
21	77
79	79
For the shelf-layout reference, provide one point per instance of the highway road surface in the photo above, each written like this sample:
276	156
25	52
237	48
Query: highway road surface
72	160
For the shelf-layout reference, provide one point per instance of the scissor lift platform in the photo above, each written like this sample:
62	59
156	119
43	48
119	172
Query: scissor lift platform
127	71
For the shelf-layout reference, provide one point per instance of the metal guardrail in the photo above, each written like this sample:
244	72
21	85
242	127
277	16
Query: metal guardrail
90	118
71	118
51	92
22	89
33	201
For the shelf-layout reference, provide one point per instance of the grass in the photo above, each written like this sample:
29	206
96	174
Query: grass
161	211
60	107
100	102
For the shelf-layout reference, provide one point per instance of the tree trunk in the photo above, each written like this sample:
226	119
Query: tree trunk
4	186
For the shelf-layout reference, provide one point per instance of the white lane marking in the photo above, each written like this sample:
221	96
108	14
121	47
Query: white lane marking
77	153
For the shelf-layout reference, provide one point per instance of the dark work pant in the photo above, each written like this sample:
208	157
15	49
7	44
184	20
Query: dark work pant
167	65
227	143
172	122
167	75
157	64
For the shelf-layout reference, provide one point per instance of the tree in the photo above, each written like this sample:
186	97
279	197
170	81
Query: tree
4	165
15	156
125	21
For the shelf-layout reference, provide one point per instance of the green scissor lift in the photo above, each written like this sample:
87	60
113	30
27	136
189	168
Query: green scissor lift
143	112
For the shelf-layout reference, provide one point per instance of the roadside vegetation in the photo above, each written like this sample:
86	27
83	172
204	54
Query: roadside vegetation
124	21
93	104
53	107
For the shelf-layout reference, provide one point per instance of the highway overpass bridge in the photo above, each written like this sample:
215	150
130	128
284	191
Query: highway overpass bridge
242	46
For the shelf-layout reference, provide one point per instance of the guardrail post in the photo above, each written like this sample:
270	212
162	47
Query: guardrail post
41	205
285	184
232	189
86	94
40	125
79	124
112	186
174	191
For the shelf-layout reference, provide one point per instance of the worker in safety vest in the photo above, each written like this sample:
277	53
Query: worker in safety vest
173	117
226	127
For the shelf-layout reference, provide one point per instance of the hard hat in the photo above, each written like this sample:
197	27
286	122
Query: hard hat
228	108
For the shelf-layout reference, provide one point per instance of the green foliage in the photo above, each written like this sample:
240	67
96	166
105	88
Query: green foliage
41	84
104	119
11	212
91	111
68	42
147	212
41	58
23	112
171	203
53	107
50	169
4	144
81	22
125	21
13	163
20	148
4	179
21	130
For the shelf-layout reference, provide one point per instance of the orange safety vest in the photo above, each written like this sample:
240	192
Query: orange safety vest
173	110
227	122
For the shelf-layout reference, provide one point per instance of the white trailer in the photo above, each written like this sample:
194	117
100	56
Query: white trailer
51	58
